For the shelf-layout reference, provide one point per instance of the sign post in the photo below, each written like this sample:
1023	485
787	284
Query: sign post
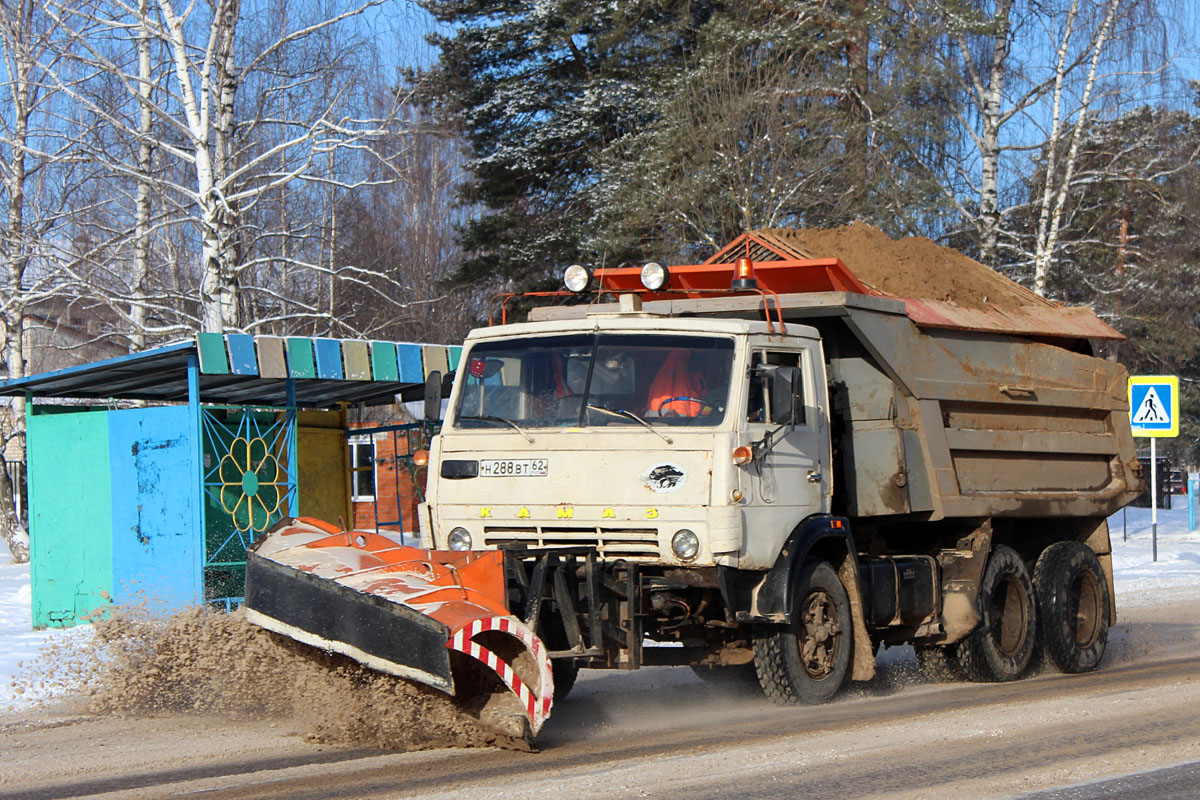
1154	412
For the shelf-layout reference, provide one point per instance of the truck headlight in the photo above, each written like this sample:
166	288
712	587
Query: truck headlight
577	277
655	276
459	539
685	544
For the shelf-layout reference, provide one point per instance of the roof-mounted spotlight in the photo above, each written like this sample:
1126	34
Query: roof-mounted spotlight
743	275
577	278
655	276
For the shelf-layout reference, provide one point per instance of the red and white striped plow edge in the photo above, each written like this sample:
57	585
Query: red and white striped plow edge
537	708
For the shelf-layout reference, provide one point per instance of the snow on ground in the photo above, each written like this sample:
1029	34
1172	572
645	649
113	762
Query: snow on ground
1140	581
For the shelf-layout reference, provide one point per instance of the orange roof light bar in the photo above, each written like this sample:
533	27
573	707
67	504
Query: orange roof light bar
781	276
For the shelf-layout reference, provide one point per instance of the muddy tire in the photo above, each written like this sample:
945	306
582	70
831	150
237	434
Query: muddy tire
565	674
1073	606
805	662
1002	645
939	663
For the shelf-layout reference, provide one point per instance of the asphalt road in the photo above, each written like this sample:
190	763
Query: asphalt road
1131	728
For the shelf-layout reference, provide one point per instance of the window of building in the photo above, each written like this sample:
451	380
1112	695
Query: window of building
362	469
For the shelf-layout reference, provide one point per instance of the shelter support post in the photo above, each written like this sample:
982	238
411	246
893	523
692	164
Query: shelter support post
197	434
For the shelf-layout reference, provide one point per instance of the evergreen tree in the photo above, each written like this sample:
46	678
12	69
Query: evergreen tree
812	116
540	90
663	129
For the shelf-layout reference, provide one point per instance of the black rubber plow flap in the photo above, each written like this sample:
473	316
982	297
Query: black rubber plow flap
437	617
376	632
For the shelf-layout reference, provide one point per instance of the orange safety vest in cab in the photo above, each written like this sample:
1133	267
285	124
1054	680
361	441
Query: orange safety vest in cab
676	391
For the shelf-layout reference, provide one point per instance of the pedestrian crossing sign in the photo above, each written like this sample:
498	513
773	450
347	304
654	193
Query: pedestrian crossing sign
1154	405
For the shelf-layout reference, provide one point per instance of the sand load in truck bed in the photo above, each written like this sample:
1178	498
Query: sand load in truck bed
940	286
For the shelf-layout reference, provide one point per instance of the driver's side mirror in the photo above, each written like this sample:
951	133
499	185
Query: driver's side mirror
787	396
433	396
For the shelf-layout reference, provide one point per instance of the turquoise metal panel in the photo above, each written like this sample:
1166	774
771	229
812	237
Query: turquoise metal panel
329	358
242	359
383	362
70	514
300	358
455	355
408	356
153	494
213	360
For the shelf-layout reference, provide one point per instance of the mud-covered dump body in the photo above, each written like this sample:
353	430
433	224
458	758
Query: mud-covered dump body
943	422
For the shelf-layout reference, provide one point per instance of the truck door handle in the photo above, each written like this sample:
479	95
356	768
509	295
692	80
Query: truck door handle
814	476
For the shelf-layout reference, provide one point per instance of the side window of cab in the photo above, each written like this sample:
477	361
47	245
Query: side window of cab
760	381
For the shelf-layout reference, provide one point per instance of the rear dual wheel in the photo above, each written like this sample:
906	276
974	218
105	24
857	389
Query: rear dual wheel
1074	606
1001	646
806	662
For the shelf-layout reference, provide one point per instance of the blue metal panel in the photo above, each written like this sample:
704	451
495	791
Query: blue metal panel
242	358
409	358
329	358
154	536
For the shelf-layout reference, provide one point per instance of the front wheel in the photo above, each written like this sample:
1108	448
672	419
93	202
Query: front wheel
1001	647
1073	606
565	674
806	662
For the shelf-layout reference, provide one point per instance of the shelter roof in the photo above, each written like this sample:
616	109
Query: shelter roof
239	369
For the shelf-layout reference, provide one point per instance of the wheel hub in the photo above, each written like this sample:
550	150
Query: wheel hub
819	637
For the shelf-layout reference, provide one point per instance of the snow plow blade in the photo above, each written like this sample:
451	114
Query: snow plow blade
428	616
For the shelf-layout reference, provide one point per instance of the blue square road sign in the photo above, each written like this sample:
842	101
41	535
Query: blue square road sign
1154	405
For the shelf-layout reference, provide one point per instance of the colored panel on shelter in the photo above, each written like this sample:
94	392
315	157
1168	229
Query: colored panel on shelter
322	484
271	363
70	515
357	361
455	354
408	356
213	360
329	359
383	362
241	354
155	481
300	358
435	359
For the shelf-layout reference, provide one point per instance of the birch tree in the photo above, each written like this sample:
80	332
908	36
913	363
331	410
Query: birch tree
34	181
1032	75
219	129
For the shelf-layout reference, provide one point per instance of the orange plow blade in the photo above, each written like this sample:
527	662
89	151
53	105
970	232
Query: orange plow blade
405	611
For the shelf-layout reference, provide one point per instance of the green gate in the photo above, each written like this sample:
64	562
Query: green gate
249	484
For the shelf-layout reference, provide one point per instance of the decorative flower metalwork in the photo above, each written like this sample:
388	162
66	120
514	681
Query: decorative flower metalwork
253	485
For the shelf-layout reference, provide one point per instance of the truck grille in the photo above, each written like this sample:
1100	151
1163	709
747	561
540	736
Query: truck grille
630	544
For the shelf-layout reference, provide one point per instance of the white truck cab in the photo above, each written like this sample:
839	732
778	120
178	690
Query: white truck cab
622	432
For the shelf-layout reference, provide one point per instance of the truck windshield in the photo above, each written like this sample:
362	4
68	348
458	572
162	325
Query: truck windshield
582	379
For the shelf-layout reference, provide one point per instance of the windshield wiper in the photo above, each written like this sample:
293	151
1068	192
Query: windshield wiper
620	412
505	420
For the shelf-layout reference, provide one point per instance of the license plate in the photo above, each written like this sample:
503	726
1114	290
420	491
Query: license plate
513	468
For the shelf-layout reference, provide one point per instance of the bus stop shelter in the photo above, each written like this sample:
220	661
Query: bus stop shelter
156	501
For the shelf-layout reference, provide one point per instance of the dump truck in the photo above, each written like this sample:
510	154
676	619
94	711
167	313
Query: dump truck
759	467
